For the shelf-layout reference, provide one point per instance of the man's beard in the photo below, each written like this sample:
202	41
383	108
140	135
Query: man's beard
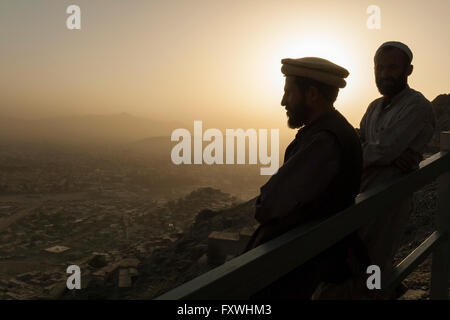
297	116
391	86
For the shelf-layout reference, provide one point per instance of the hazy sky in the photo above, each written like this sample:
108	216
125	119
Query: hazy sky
216	61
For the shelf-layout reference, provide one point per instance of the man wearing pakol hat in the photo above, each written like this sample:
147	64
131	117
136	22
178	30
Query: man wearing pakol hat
394	132
320	175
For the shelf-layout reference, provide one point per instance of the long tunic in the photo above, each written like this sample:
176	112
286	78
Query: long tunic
386	132
406	122
320	176
310	164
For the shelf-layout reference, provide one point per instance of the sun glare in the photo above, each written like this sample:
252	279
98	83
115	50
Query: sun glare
316	46
313	45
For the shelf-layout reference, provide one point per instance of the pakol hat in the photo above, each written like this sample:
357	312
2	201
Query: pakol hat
318	69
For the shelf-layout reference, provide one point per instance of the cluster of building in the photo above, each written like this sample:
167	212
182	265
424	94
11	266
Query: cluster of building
107	236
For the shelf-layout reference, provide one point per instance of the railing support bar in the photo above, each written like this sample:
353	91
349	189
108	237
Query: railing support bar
415	258
440	270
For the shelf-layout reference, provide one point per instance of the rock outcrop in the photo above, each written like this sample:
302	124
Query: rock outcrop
441	108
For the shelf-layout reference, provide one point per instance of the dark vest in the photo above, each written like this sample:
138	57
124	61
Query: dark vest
345	186
339	195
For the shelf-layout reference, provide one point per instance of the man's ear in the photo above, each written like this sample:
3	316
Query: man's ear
312	94
409	70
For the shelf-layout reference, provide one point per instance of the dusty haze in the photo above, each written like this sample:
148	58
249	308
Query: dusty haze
215	61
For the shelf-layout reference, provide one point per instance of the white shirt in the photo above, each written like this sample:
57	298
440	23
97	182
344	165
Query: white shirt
407	122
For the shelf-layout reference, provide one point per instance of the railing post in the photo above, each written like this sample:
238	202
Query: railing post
440	270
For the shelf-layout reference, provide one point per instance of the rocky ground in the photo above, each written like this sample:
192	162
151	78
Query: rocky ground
420	226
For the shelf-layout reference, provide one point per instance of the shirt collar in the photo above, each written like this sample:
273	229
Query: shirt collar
398	97
315	122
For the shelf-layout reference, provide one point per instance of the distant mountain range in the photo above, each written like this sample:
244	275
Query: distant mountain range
114	128
139	132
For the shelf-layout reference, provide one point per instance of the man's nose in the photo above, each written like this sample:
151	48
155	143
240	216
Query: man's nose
283	102
385	73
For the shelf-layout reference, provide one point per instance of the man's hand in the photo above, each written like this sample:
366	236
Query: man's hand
408	160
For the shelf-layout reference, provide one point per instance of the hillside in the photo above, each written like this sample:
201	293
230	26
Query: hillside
441	108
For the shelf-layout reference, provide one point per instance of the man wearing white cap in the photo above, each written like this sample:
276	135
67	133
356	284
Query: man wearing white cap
320	175
394	132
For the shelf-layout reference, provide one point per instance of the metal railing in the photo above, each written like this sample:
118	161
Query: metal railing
252	271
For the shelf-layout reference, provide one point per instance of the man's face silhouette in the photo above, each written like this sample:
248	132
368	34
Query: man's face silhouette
295	103
391	71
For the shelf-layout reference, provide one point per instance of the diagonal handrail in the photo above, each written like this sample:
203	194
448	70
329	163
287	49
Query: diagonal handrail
250	272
